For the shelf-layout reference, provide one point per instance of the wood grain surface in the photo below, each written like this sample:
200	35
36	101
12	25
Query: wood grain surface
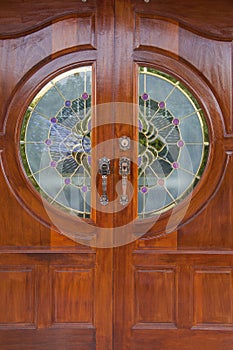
162	291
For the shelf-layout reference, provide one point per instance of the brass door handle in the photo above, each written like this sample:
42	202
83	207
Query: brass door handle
104	171
124	171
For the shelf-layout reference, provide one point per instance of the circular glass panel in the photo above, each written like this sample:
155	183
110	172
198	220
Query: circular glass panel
173	142
55	141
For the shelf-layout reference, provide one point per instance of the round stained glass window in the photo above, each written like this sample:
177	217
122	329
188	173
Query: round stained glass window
173	142
55	141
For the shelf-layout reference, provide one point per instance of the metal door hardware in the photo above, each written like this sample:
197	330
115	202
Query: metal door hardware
104	171
124	170
124	143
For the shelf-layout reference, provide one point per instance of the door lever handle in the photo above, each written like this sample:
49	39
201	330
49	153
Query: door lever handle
124	171
104	171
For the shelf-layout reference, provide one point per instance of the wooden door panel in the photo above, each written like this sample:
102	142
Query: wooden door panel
217	232
155	297
187	301
47	339
191	340
155	31
47	295
212	296
77	286
17	296
17	227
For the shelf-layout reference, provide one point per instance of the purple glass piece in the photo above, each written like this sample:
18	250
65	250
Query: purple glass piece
85	96
53	164
176	121
48	142
139	160
175	165
161	104
140	125
67	103
67	181
144	189
89	125
84	188
89	160
145	96
160	182
180	143
53	120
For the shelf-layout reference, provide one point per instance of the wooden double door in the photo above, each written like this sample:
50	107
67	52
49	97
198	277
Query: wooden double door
168	287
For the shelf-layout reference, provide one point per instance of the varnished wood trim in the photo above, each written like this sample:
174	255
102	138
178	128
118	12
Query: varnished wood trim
46	250
213	327
15	326
2	141
72	326
185	25
151	326
56	260
48	22
185	252
228	144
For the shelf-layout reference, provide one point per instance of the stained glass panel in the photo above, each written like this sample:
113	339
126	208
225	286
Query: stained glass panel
56	141
173	142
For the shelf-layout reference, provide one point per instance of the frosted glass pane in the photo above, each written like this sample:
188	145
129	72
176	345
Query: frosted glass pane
88	82
191	129
71	197
50	104
157	88
178	182
71	87
37	152
184	181
178	104
157	198
37	129
50	181
190	158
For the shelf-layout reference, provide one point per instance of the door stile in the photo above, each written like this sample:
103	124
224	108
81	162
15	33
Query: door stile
100	133
125	125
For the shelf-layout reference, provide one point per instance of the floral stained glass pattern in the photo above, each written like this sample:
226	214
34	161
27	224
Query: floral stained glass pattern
173	142
56	141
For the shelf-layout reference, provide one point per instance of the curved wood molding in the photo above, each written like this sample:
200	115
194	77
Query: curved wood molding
46	23
216	232
83	26
210	18
21	18
173	22
19	185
